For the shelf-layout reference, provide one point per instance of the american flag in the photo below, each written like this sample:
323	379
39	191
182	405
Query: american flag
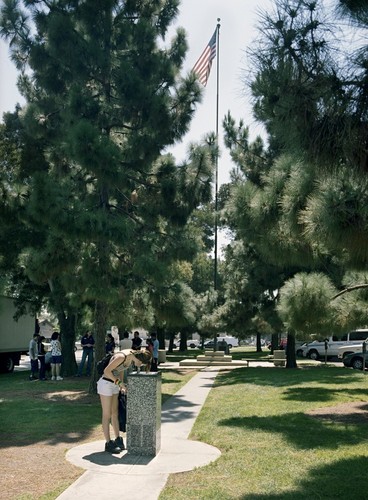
203	66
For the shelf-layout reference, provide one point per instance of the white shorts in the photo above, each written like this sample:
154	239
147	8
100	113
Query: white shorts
107	388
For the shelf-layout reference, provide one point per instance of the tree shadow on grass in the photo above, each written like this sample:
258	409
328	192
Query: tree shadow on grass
319	394
303	431
338	480
285	377
51	421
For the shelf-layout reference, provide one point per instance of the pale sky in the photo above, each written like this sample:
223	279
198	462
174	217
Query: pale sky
199	18
238	19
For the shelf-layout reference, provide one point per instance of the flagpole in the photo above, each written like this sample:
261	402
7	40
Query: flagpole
217	149
202	68
216	163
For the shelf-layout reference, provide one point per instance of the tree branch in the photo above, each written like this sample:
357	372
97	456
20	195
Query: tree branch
350	289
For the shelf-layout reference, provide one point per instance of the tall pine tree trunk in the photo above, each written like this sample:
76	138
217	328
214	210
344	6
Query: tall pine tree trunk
161	336
183	339
275	342
171	342
290	351
101	306
67	336
258	342
101	310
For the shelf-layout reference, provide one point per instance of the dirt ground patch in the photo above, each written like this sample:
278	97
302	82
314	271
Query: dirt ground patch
345	413
40	467
29	470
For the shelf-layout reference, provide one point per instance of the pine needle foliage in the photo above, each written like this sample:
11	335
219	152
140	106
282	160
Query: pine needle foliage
105	97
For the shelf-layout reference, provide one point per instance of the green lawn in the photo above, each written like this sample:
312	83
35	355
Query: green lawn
27	408
271	447
257	417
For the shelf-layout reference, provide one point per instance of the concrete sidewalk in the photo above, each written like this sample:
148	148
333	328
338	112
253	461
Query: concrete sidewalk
110	477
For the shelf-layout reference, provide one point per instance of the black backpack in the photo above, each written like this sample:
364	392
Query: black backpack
101	365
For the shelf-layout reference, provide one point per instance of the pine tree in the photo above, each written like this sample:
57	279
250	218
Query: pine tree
104	98
301	201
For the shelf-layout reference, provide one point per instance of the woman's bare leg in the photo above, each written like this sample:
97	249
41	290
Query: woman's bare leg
115	414
106	404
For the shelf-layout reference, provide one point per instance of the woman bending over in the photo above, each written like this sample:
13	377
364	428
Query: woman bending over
109	386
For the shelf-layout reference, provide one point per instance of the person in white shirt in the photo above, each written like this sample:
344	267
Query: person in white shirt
33	355
125	342
156	345
55	348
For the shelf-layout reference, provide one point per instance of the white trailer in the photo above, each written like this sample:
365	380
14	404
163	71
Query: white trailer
14	335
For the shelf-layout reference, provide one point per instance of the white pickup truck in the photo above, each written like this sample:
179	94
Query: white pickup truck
349	349
317	349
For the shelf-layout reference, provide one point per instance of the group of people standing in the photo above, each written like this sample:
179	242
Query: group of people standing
88	342
37	354
39	361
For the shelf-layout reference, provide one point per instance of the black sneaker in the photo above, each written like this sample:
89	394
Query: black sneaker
111	447
119	442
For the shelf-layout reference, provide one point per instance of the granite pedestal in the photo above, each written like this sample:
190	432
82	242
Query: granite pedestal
144	413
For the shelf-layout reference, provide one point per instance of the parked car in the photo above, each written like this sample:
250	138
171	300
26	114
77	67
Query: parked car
209	344
221	345
317	349
193	343
299	348
350	349
231	341
355	360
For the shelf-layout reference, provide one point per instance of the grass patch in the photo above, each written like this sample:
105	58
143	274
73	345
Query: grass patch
173	380
176	356
273	444
250	353
27	408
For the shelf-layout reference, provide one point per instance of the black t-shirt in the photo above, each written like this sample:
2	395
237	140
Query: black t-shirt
41	349
136	343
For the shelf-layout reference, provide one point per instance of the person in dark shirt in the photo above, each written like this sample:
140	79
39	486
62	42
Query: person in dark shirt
137	341
110	344
87	343
41	357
